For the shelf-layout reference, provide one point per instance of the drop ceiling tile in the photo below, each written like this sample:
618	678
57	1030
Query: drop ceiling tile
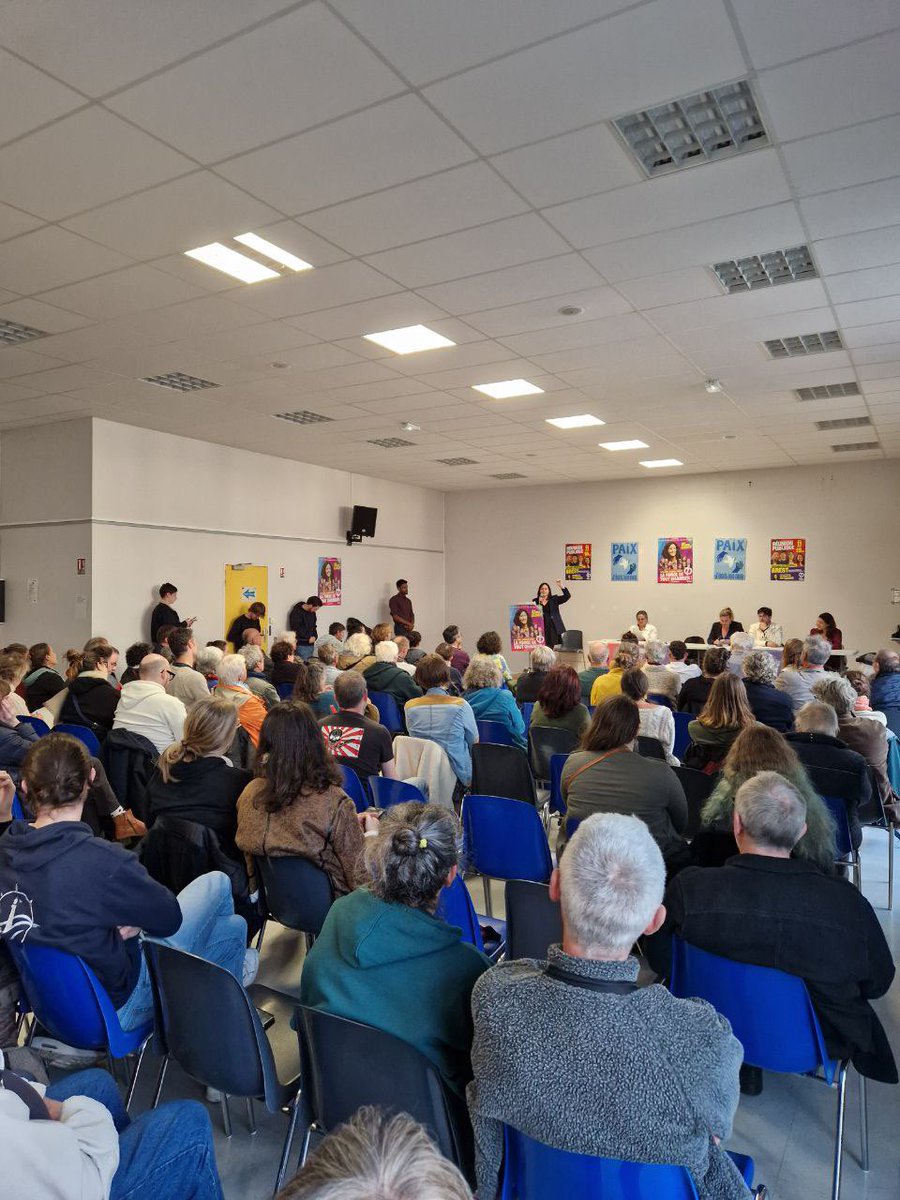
861	154
16	362
869	206
369	316
548	277
869	312
192	319
380	147
135	289
544	314
14	222
50	257
575	164
27	411
579	331
466	377
672	287
254	345
635	59
856	251
294	236
450	357
11	392
741	308
323	288
862	285
776	32
65	379
28	97
43	316
465	196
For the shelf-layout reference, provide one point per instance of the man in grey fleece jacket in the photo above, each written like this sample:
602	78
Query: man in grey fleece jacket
616	1072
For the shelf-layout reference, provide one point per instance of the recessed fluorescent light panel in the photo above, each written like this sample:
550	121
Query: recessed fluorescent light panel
505	389
13	334
632	444
844	423
652	463
509	475
695	129
410	340
176	381
828	391
390	443
283	257
457	462
807	343
765	270
574	422
850	446
239	266
302	417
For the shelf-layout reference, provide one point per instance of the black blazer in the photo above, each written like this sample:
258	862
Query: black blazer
554	625
819	750
715	631
770	707
785	913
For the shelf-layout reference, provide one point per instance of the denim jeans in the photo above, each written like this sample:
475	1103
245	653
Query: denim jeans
209	928
165	1154
305	651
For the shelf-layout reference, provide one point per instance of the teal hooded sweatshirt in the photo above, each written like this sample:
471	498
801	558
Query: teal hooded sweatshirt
400	970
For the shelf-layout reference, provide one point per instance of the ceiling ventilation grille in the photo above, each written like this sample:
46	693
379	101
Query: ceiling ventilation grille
509	475
828	391
176	381
695	129
302	417
13	334
807	343
457	462
391	443
844	423
849	446
765	270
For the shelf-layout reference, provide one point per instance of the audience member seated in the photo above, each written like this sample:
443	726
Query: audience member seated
531	681
385	676
256	676
792	653
377	1154
194	779
860	683
558	705
608	775
43	680
297	807
285	667
642	630
610	684
209	659
134	656
636	1074
725	714
15	737
656	719
867	738
598	664
741	645
220	644
760	748
310	687
13	669
161	645
695	693
76	1142
146	708
772	907
797	682
357	653
90	699
252	619
252	637
490	645
661	680
826	627
490	700
769	705
288	635
92	898
453	638
328	657
354	740
886	680
681	663
402	652
442	718
415	651
186	683
764	632
334	637
385	959
816	742
232	686
720	631
445	650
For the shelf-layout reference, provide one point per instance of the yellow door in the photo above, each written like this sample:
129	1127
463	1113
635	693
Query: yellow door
245	583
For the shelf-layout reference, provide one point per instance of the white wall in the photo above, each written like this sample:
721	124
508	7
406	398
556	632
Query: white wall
849	514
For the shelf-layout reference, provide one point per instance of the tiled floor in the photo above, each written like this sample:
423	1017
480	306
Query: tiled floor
789	1129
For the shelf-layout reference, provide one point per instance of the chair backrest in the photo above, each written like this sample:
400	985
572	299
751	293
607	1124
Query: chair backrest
130	760
296	892
502	771
770	1011
651	747
543	742
660	698
41	728
682	737
572	639
175	852
83	734
843	842
456	908
389	713
387	792
893	718
533	921
526	708
557	762
355	788
495	732
208	1025
697	788
18	812
285	689
505	839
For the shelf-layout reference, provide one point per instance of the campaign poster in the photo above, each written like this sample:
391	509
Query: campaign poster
578	561
675	560
787	560
624	562
526	626
329	586
730	559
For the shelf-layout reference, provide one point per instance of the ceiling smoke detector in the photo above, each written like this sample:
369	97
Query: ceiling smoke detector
408	427
570	310
712	386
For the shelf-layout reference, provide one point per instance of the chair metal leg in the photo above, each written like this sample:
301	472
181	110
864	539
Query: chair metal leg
304	1153
259	936
890	833
157	1092
32	1030
288	1143
133	1084
486	884
226	1115
839	1132
251	1116
863	1124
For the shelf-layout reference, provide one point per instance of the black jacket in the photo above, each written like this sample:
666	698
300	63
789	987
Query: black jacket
303	623
40	685
204	791
785	913
238	627
97	700
554	625
528	685
694	694
129	759
770	707
820	750
715	631
163	614
285	672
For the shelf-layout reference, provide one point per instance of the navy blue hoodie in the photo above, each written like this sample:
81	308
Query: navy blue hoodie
61	886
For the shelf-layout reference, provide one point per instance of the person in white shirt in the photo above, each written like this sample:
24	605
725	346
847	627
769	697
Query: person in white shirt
764	632
642	629
145	707
677	664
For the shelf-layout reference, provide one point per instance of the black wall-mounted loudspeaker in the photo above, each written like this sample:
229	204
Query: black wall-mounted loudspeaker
2	600
362	523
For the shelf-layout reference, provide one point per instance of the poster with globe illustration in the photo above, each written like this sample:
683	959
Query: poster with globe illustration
730	559
624	562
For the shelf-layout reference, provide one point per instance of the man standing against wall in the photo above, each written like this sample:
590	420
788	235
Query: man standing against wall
164	613
401	609
302	621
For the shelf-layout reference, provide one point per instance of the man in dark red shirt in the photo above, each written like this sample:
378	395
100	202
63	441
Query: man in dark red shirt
401	609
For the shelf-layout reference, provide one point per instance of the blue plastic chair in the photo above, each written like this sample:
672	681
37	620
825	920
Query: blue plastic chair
83	734
660	698
535	1171
556	803
496	733
387	792
772	1016
41	728
526	708
571	825
389	713
71	1003
456	908
682	737
355	788
285	690
843	843
505	839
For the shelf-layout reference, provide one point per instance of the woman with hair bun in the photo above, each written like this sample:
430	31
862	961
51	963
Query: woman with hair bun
385	959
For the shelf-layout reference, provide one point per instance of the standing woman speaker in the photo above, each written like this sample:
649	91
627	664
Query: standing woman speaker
554	626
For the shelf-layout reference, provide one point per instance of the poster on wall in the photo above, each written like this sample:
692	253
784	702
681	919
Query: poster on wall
526	626
578	561
787	560
329	586
624	562
730	559
676	560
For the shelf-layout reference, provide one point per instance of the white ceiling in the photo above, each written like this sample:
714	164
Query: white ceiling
450	164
